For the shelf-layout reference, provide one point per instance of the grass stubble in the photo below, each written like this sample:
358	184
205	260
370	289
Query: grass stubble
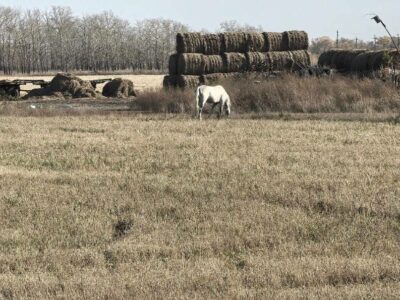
120	207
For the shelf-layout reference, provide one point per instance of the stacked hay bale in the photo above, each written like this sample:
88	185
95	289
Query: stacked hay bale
204	58
359	61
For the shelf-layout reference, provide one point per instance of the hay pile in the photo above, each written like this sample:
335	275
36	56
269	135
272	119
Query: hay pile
294	40
202	58
119	88
65	85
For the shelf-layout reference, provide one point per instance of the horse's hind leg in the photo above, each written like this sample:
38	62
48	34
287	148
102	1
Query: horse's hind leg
212	109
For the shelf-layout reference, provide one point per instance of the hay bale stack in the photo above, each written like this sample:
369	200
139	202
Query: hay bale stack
258	62
273	41
235	62
67	86
213	64
191	64
234	42
189	43
294	40
173	64
119	88
255	42
212	44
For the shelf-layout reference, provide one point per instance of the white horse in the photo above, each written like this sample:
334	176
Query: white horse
215	95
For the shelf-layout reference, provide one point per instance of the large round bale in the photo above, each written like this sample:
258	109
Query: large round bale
256	42
295	40
189	43
213	64
212	44
170	81
301	59
191	64
67	86
215	78
361	63
234	42
342	60
273	41
173	64
281	61
384	59
235	62
325	58
188	81
119	88
258	62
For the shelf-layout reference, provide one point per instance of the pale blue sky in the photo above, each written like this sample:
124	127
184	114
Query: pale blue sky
317	17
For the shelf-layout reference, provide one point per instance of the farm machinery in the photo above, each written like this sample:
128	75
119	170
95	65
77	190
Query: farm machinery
13	88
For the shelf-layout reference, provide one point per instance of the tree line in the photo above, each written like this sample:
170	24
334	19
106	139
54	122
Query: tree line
34	41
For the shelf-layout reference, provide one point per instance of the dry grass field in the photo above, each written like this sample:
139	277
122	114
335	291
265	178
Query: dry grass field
114	207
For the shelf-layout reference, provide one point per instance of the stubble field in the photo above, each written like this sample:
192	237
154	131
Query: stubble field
119	207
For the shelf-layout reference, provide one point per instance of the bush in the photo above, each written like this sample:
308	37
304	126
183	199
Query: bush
288	93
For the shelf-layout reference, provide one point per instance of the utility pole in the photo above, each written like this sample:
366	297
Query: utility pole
337	39
375	39
398	40
356	43
379	20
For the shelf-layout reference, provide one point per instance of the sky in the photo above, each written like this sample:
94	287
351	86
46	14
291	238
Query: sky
317	17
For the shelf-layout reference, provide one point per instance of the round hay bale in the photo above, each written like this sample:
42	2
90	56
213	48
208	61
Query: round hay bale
361	63
301	59
273	41
189	43
235	62
256	42
119	88
295	40
258	61
213	64
212	44
170	81
281	61
325	58
215	78
384	59
191	64
342	60
173	64
234	42
188	81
